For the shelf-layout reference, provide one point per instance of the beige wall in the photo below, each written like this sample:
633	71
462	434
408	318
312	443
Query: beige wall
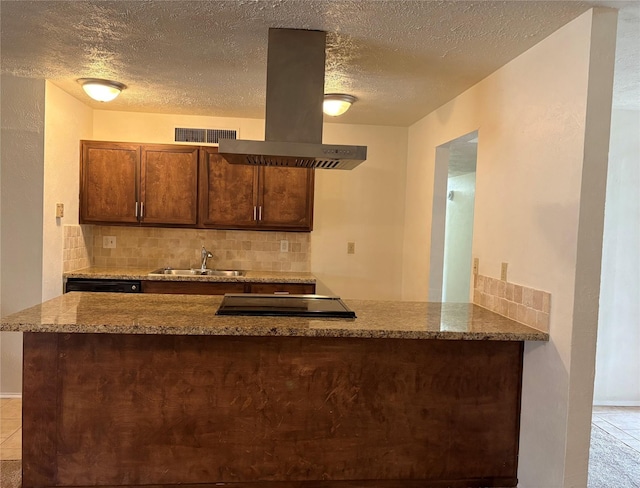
67	120
365	205
537	172
23	102
159	128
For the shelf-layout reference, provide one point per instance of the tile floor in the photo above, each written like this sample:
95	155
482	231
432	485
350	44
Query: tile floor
621	422
10	428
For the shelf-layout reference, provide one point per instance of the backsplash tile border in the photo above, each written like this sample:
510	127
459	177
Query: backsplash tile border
77	247
526	305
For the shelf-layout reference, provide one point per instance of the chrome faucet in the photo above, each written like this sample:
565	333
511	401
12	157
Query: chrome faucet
205	255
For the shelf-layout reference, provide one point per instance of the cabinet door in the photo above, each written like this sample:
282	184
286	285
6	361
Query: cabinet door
286	198
169	185
228	193
108	178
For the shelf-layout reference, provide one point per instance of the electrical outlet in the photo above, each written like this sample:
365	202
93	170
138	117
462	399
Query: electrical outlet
503	271
284	245
59	210
351	247
109	242
476	263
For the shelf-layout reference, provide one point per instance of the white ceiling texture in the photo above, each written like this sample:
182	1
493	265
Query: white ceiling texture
402	58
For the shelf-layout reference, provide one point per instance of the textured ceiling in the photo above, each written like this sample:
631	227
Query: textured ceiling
402	59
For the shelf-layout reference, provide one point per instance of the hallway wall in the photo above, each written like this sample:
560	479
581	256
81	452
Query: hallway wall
617	361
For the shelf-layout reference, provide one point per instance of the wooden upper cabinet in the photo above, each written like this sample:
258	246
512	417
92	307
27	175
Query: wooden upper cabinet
150	184
287	198
189	186
169	185
108	182
228	192
234	196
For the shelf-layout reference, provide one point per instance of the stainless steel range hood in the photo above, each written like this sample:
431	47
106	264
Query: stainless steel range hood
293	121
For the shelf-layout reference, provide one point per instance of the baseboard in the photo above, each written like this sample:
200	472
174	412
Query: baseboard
10	395
617	403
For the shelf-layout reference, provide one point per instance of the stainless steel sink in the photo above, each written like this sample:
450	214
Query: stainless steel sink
197	272
223	272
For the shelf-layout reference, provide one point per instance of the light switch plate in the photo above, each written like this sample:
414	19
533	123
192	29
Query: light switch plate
284	245
351	247
59	210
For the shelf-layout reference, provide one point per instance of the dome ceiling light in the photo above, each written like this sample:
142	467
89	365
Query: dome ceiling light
337	103
101	90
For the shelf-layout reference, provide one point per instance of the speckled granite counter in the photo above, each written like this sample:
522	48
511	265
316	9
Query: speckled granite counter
186	397
143	274
114	313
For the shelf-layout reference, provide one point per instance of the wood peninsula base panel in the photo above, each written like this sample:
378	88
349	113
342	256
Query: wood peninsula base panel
279	412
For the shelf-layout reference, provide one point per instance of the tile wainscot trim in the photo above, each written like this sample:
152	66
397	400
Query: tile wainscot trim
526	305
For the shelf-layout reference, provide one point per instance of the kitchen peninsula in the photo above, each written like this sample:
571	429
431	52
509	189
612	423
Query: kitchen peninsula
147	389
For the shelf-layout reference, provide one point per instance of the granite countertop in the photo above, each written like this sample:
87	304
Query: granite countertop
133	313
143	274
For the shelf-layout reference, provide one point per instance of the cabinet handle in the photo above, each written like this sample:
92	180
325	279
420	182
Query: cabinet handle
260	212
136	210
280	292
255	209
141	210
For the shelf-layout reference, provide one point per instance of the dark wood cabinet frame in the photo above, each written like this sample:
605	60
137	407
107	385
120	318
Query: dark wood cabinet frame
112	410
220	288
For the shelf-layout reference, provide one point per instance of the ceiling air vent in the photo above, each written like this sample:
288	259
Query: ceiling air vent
204	136
213	135
190	135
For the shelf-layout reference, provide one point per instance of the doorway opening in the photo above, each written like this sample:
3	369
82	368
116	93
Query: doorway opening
452	220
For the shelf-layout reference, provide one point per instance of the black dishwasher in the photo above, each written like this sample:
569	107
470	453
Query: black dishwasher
107	286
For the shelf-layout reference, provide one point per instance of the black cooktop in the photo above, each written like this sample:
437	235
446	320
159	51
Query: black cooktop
284	306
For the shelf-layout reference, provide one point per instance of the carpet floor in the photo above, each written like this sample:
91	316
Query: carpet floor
11	474
612	463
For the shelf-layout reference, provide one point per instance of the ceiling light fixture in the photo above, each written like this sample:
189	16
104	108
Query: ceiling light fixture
337	103
101	90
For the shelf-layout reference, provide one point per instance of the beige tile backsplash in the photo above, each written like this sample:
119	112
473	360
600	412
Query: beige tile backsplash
526	305
77	247
180	248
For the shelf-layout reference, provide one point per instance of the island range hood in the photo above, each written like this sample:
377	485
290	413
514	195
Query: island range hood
293	119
